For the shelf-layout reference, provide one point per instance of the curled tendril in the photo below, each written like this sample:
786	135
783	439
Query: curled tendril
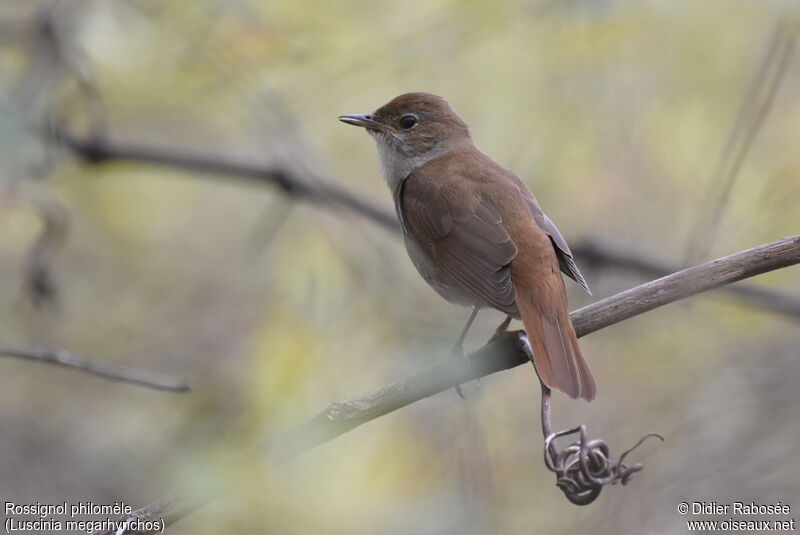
584	467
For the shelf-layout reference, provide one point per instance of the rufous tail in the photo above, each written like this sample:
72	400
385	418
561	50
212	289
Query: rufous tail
556	353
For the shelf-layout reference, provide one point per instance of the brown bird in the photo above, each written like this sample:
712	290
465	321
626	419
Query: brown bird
475	232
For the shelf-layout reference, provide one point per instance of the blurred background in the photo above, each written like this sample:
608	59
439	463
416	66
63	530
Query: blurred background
664	132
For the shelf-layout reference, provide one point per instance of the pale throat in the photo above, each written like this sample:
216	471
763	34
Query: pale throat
396	166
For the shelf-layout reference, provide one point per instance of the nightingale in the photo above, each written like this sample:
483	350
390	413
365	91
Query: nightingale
476	233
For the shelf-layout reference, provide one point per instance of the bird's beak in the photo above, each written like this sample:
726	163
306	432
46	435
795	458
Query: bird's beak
363	120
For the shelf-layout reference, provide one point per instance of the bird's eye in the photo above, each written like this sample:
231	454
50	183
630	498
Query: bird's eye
408	121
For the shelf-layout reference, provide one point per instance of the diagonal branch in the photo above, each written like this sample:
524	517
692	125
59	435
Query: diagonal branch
504	351
600	255
99	149
106	371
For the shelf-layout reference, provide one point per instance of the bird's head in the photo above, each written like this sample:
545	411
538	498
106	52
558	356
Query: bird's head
411	130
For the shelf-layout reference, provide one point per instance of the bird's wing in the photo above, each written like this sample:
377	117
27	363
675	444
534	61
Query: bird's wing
463	233
565	260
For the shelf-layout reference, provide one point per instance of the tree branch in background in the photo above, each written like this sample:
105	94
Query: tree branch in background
106	371
100	149
504	351
756	104
40	287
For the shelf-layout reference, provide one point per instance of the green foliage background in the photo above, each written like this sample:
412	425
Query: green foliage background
615	112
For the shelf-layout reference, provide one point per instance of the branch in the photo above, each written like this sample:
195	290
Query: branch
593	253
40	287
504	351
749	263
106	371
99	149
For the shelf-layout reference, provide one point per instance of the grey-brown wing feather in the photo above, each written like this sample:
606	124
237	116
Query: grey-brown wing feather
565	260
469	245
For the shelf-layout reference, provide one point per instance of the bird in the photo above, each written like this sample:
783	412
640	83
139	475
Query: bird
475	232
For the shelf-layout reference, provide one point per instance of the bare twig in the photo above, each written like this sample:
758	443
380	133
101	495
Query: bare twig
76	362
503	351
99	149
55	58
756	104
264	233
40	287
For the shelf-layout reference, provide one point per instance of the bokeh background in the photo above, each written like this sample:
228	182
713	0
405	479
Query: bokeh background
665	130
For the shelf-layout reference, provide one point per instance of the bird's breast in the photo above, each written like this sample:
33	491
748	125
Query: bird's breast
426	265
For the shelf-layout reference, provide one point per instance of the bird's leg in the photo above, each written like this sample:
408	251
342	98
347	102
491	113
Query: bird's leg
458	348
503	327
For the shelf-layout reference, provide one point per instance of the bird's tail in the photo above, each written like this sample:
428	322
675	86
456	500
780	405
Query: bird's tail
556	352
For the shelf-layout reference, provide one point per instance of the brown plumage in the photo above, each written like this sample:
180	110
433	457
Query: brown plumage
475	232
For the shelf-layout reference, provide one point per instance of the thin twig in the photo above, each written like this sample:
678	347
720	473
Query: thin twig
267	229
504	351
756	105
40	286
106	371
99	149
